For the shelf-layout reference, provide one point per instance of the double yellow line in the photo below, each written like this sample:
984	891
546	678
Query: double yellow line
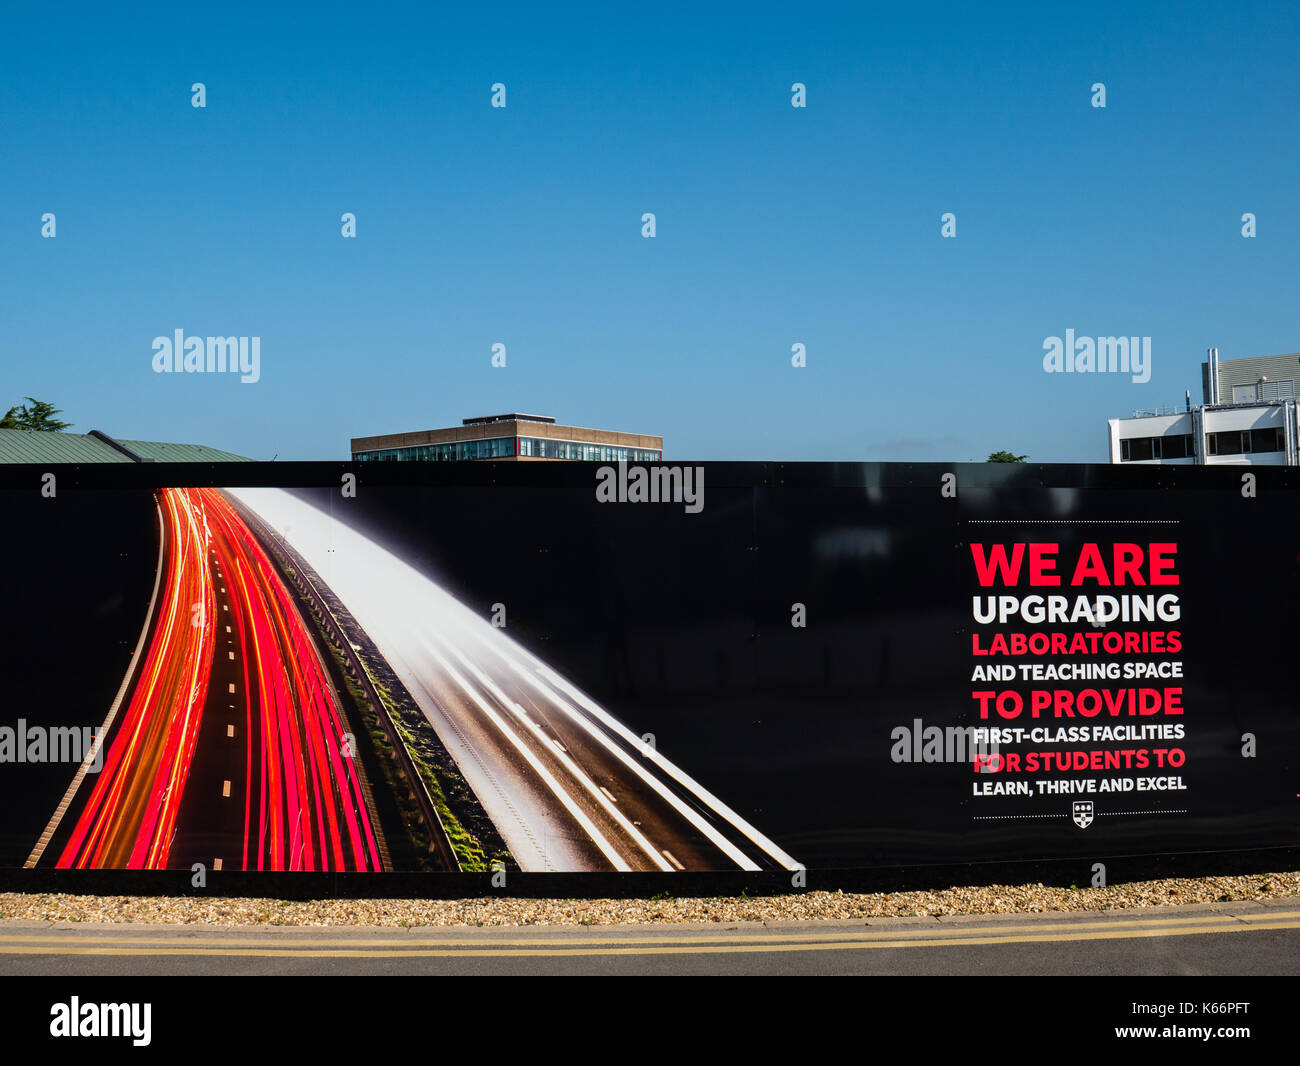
288	945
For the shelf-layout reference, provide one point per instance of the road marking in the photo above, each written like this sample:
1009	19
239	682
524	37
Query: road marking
225	789
574	770
1173	925
707	945
507	650
594	710
557	790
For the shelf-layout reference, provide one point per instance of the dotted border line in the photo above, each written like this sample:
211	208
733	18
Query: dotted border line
1112	814
1099	814
1004	817
1068	521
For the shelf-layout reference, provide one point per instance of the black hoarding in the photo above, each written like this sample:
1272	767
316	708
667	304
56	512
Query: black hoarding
684	667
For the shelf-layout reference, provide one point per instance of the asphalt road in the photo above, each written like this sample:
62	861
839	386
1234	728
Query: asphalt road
1209	939
567	785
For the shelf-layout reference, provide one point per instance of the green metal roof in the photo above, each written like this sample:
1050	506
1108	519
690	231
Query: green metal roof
182	453
27	446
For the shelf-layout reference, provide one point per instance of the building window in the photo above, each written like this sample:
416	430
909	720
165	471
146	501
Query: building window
1227	443
508	447
1172	446
1142	448
1242	441
1267	440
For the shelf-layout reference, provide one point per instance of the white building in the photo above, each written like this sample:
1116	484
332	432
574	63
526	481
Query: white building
1248	418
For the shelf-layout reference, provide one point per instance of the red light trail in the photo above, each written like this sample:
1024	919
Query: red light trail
304	808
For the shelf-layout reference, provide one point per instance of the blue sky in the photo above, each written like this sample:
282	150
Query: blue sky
522	225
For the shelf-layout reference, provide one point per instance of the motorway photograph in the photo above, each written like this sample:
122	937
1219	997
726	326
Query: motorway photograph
275	640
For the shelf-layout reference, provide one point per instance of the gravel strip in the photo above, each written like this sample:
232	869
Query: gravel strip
989	899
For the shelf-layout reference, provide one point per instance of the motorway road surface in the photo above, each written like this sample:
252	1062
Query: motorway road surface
230	748
567	785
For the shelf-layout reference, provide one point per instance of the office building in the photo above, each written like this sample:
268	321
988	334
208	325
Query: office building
1247	417
511	436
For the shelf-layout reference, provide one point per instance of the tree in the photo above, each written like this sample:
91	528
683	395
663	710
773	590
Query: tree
1006	457
40	416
